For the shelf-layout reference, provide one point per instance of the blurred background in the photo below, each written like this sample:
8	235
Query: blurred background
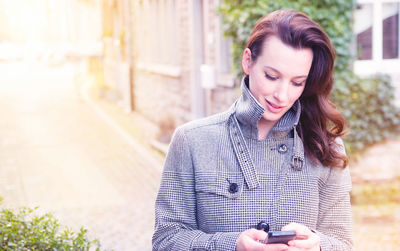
92	90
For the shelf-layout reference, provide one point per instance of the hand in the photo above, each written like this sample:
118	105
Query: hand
253	239
310	242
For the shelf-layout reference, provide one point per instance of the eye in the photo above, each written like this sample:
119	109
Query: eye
297	83
270	77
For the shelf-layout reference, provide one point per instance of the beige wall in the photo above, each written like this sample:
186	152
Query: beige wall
162	88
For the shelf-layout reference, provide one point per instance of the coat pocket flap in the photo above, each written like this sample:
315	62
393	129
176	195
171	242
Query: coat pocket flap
229	185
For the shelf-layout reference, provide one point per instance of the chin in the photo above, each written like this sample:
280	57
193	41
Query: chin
271	118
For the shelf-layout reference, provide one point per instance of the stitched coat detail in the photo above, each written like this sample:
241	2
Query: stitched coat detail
198	208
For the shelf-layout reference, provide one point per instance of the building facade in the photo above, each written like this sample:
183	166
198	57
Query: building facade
178	60
181	60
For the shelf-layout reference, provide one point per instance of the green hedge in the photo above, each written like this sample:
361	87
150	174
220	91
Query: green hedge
367	104
24	230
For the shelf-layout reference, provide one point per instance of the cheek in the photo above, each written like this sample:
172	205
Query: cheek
265	88
260	88
296	93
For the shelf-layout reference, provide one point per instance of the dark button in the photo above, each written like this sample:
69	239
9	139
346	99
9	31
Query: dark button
282	148
262	225
233	188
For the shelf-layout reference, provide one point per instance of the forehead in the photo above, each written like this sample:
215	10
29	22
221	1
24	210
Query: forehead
284	58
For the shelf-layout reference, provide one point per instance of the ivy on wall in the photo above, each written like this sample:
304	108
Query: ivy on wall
367	104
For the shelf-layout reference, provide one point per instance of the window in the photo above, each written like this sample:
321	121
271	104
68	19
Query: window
377	29
363	30
157	36
390	30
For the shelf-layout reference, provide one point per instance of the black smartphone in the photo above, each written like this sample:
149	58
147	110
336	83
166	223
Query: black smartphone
280	237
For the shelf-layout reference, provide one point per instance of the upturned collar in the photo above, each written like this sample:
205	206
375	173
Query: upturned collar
249	111
243	122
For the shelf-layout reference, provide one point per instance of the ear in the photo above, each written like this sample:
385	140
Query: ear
246	61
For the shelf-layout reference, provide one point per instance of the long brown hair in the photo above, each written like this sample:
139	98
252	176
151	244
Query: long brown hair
320	122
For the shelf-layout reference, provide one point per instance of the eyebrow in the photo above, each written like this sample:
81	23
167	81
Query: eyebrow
275	70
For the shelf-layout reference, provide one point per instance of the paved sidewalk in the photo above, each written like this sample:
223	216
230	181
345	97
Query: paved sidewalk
59	153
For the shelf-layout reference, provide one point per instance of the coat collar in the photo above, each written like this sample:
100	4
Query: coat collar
243	122
249	111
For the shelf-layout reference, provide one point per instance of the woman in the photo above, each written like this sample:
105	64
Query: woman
271	158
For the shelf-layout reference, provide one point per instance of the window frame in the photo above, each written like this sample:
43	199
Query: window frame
363	67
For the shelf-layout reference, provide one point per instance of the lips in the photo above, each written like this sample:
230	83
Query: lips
274	108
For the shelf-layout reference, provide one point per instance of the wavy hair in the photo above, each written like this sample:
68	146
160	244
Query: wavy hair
320	122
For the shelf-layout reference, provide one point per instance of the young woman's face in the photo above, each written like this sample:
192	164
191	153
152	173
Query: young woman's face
277	78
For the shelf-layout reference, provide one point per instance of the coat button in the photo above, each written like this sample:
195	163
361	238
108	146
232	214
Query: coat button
233	188
282	148
262	225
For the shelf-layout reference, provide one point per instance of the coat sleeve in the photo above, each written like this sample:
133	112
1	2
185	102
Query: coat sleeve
175	209
334	219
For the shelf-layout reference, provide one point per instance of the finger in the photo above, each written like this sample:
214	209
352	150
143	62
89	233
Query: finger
295	249
276	247
299	228
261	246
302	232
311	242
250	240
302	244
268	247
290	226
257	235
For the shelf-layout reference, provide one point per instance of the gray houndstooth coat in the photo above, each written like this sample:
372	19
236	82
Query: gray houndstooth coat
219	180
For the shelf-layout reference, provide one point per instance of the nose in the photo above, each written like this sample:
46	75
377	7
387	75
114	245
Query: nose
281	91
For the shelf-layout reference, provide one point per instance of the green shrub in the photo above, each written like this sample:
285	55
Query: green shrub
23	230
367	104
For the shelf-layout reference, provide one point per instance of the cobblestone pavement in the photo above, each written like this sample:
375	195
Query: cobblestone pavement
58	154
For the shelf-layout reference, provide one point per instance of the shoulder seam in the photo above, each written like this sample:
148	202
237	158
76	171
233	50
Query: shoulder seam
221	121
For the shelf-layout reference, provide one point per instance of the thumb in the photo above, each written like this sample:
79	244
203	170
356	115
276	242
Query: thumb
257	235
